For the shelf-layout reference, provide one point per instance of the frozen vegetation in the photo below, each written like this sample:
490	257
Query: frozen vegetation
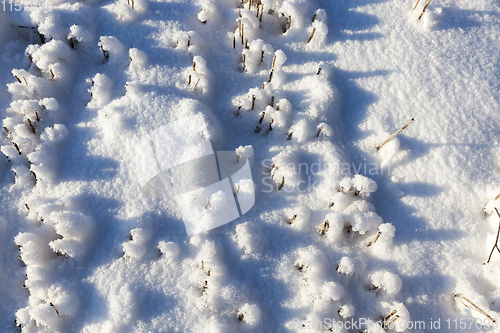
106	104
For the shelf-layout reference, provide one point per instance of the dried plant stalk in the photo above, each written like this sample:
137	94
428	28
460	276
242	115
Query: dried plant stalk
415	7
496	240
425	7
375	239
312	35
467	303
395	133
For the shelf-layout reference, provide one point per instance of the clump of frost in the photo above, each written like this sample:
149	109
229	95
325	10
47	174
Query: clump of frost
101	91
65	300
113	50
401	323
169	249
198	77
389	150
30	86
351	190
137	247
79	34
44	158
249	238
245	151
33	247
364	185
208	13
388	281
346	266
51	58
76	230
384	241
279	76
304	130
320	32
301	218
124	11
346	311
363	222
250	314
329	292
138	59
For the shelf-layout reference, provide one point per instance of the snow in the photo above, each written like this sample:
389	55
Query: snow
210	166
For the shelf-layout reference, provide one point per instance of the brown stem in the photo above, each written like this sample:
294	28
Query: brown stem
415	7
312	35
496	240
425	7
395	133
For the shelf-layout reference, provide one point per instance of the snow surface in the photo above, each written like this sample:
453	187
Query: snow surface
301	92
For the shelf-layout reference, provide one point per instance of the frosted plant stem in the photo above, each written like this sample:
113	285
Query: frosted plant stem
498	196
196	84
312	34
395	133
375	239
415	7
496	240
425	7
467	303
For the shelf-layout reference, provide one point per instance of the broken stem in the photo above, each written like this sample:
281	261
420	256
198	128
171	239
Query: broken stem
464	300
415	7
319	131
32	128
325	227
390	315
312	35
262	117
496	240
425	7
281	184
196	84
395	133
375	239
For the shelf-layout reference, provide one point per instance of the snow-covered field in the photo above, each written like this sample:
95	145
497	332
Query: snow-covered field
342	236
